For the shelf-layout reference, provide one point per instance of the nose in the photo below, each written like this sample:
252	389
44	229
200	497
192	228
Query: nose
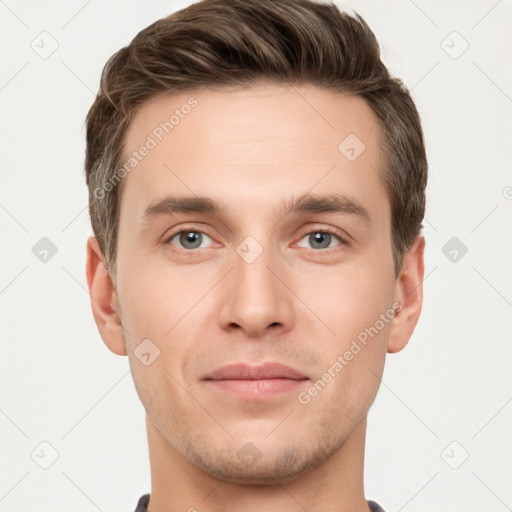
257	298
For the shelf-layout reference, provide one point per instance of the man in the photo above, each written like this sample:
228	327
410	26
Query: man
257	187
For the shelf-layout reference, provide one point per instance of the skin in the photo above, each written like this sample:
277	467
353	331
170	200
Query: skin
254	149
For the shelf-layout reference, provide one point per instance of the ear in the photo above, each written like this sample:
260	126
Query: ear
104	299
409	294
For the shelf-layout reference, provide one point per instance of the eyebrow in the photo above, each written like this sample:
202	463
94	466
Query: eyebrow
306	203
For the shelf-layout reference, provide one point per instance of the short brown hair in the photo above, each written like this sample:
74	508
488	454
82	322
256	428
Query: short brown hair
241	43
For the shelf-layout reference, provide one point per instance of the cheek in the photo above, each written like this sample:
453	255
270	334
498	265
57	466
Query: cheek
347	299
355	312
350	378
161	318
155	298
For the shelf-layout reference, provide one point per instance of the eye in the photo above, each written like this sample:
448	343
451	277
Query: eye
321	239
189	239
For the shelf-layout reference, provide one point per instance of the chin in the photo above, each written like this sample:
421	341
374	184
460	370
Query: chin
285	466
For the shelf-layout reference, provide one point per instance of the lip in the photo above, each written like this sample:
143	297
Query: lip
262	372
255	382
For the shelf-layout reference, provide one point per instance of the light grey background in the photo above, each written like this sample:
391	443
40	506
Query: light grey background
61	385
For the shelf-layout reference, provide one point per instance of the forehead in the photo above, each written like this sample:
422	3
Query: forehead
254	144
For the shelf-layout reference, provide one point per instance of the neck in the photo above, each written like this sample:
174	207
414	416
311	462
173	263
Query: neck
335	486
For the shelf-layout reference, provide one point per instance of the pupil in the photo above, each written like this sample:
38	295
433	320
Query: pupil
191	239
321	239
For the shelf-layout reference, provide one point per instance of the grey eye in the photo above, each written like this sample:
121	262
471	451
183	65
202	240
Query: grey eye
189	239
320	239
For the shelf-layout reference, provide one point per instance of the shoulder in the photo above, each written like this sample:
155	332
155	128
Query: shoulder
142	505
374	507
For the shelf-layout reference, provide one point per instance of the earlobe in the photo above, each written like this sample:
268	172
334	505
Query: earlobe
104	304
409	294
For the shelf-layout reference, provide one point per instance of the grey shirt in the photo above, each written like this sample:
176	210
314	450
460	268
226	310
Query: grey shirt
142	505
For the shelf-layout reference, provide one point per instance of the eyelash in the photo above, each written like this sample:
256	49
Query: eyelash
330	231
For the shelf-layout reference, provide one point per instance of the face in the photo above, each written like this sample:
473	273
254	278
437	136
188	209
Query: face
255	231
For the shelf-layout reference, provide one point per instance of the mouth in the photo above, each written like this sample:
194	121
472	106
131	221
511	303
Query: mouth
255	382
